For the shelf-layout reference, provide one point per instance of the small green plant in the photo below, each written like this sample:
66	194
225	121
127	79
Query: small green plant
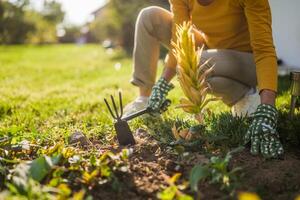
289	129
57	169
225	130
173	191
161	127
216	172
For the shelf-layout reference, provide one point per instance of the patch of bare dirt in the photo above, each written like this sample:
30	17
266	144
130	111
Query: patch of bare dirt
273	179
151	162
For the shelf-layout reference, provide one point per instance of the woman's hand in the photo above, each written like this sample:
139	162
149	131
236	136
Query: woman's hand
262	133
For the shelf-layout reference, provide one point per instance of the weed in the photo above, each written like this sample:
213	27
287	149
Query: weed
226	131
61	167
216	172
173	191
288	129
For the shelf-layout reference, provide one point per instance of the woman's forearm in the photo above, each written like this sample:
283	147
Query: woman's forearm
169	73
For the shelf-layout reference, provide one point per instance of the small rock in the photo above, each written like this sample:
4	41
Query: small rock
79	138
177	168
22	146
185	154
170	165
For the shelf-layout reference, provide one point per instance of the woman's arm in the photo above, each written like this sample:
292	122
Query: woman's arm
259	19
181	13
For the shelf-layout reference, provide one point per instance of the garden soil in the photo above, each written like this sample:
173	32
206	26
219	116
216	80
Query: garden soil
151	164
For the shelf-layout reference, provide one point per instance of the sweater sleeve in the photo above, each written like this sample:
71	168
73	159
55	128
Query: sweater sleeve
180	11
259	19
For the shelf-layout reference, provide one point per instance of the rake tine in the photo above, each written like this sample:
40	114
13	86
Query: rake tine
121	104
115	107
107	105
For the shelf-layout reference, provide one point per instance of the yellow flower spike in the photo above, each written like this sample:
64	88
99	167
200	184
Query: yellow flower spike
298	197
248	196
191	76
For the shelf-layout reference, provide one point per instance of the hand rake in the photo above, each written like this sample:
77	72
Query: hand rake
124	134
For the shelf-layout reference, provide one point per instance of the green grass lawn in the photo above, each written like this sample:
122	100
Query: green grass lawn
49	92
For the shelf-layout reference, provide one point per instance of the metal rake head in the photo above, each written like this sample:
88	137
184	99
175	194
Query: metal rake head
124	134
116	114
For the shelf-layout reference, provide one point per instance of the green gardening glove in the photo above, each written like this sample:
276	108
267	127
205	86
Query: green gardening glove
159	93
262	132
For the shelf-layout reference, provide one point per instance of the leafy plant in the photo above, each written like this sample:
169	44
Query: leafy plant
191	76
161	128
61	167
215	172
225	130
37	191
174	191
289	129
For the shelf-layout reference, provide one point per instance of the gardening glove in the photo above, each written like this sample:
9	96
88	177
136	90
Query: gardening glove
262	132
159	93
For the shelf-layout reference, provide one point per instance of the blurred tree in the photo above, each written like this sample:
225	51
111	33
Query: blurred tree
53	12
70	34
44	30
110	28
14	28
20	24
119	23
45	23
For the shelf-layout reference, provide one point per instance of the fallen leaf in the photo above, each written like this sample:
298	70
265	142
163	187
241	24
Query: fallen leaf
175	132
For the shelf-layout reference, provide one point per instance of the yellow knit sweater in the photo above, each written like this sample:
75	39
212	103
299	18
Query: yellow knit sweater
242	25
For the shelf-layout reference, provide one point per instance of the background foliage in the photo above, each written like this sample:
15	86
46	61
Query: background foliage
120	20
19	23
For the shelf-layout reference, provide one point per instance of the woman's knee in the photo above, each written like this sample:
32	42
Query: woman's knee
216	83
148	12
230	63
153	14
229	90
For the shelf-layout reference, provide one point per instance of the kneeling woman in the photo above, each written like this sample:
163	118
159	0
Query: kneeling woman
238	36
